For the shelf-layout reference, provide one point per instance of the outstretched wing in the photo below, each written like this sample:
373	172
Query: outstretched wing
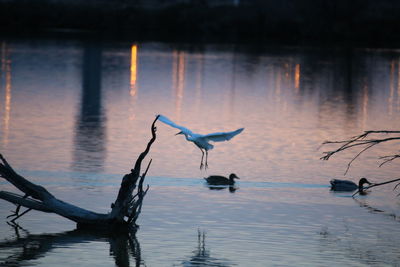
167	121
223	136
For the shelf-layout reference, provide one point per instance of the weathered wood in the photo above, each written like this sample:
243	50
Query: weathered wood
125	209
29	188
20	200
120	207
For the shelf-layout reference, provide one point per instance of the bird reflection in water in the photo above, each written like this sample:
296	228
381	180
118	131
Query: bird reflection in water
32	247
201	256
231	188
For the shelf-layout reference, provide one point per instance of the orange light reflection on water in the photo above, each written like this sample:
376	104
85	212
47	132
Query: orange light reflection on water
297	77
133	70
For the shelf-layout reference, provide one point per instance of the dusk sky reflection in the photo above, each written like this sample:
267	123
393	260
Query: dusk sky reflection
288	101
74	115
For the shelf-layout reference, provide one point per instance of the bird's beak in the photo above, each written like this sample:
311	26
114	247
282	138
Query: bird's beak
237	178
178	133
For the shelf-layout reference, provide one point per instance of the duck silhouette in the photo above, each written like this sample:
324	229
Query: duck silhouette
346	185
221	180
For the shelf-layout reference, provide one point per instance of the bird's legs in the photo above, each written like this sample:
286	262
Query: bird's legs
202	156
206	159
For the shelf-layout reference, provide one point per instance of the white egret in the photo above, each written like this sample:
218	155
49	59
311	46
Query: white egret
200	140
221	180
345	185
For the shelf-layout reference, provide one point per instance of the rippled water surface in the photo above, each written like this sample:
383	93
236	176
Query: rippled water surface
75	115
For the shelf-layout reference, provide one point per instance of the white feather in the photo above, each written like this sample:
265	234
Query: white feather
200	140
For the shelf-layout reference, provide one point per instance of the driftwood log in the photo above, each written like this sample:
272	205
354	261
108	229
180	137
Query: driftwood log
124	211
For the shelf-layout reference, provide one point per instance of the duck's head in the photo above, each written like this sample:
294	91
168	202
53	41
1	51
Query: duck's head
233	176
362	182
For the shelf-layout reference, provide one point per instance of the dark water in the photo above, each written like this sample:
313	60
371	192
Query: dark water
75	115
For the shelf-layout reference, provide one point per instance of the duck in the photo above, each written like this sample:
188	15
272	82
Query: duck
346	185
221	180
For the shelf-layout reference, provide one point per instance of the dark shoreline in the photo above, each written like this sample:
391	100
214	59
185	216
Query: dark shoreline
344	26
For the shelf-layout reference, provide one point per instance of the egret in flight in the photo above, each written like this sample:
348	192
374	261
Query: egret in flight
200	140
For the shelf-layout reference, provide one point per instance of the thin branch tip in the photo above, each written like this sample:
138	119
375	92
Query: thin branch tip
361	141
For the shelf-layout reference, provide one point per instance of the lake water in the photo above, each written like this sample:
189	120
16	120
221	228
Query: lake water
74	116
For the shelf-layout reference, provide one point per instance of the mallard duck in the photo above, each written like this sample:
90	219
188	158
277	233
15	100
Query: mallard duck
221	180
346	185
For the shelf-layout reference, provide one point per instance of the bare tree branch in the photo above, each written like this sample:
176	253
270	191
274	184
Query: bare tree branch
356	156
389	159
360	141
378	184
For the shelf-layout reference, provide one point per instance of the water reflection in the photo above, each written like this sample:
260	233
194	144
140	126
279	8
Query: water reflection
201	256
364	203
178	79
90	132
5	82
284	96
394	91
231	188
25	248
289	100
133	70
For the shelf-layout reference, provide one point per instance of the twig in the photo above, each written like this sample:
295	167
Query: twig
396	186
140	203
140	186
378	184
356	156
361	141
20	215
388	159
143	176
388	182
